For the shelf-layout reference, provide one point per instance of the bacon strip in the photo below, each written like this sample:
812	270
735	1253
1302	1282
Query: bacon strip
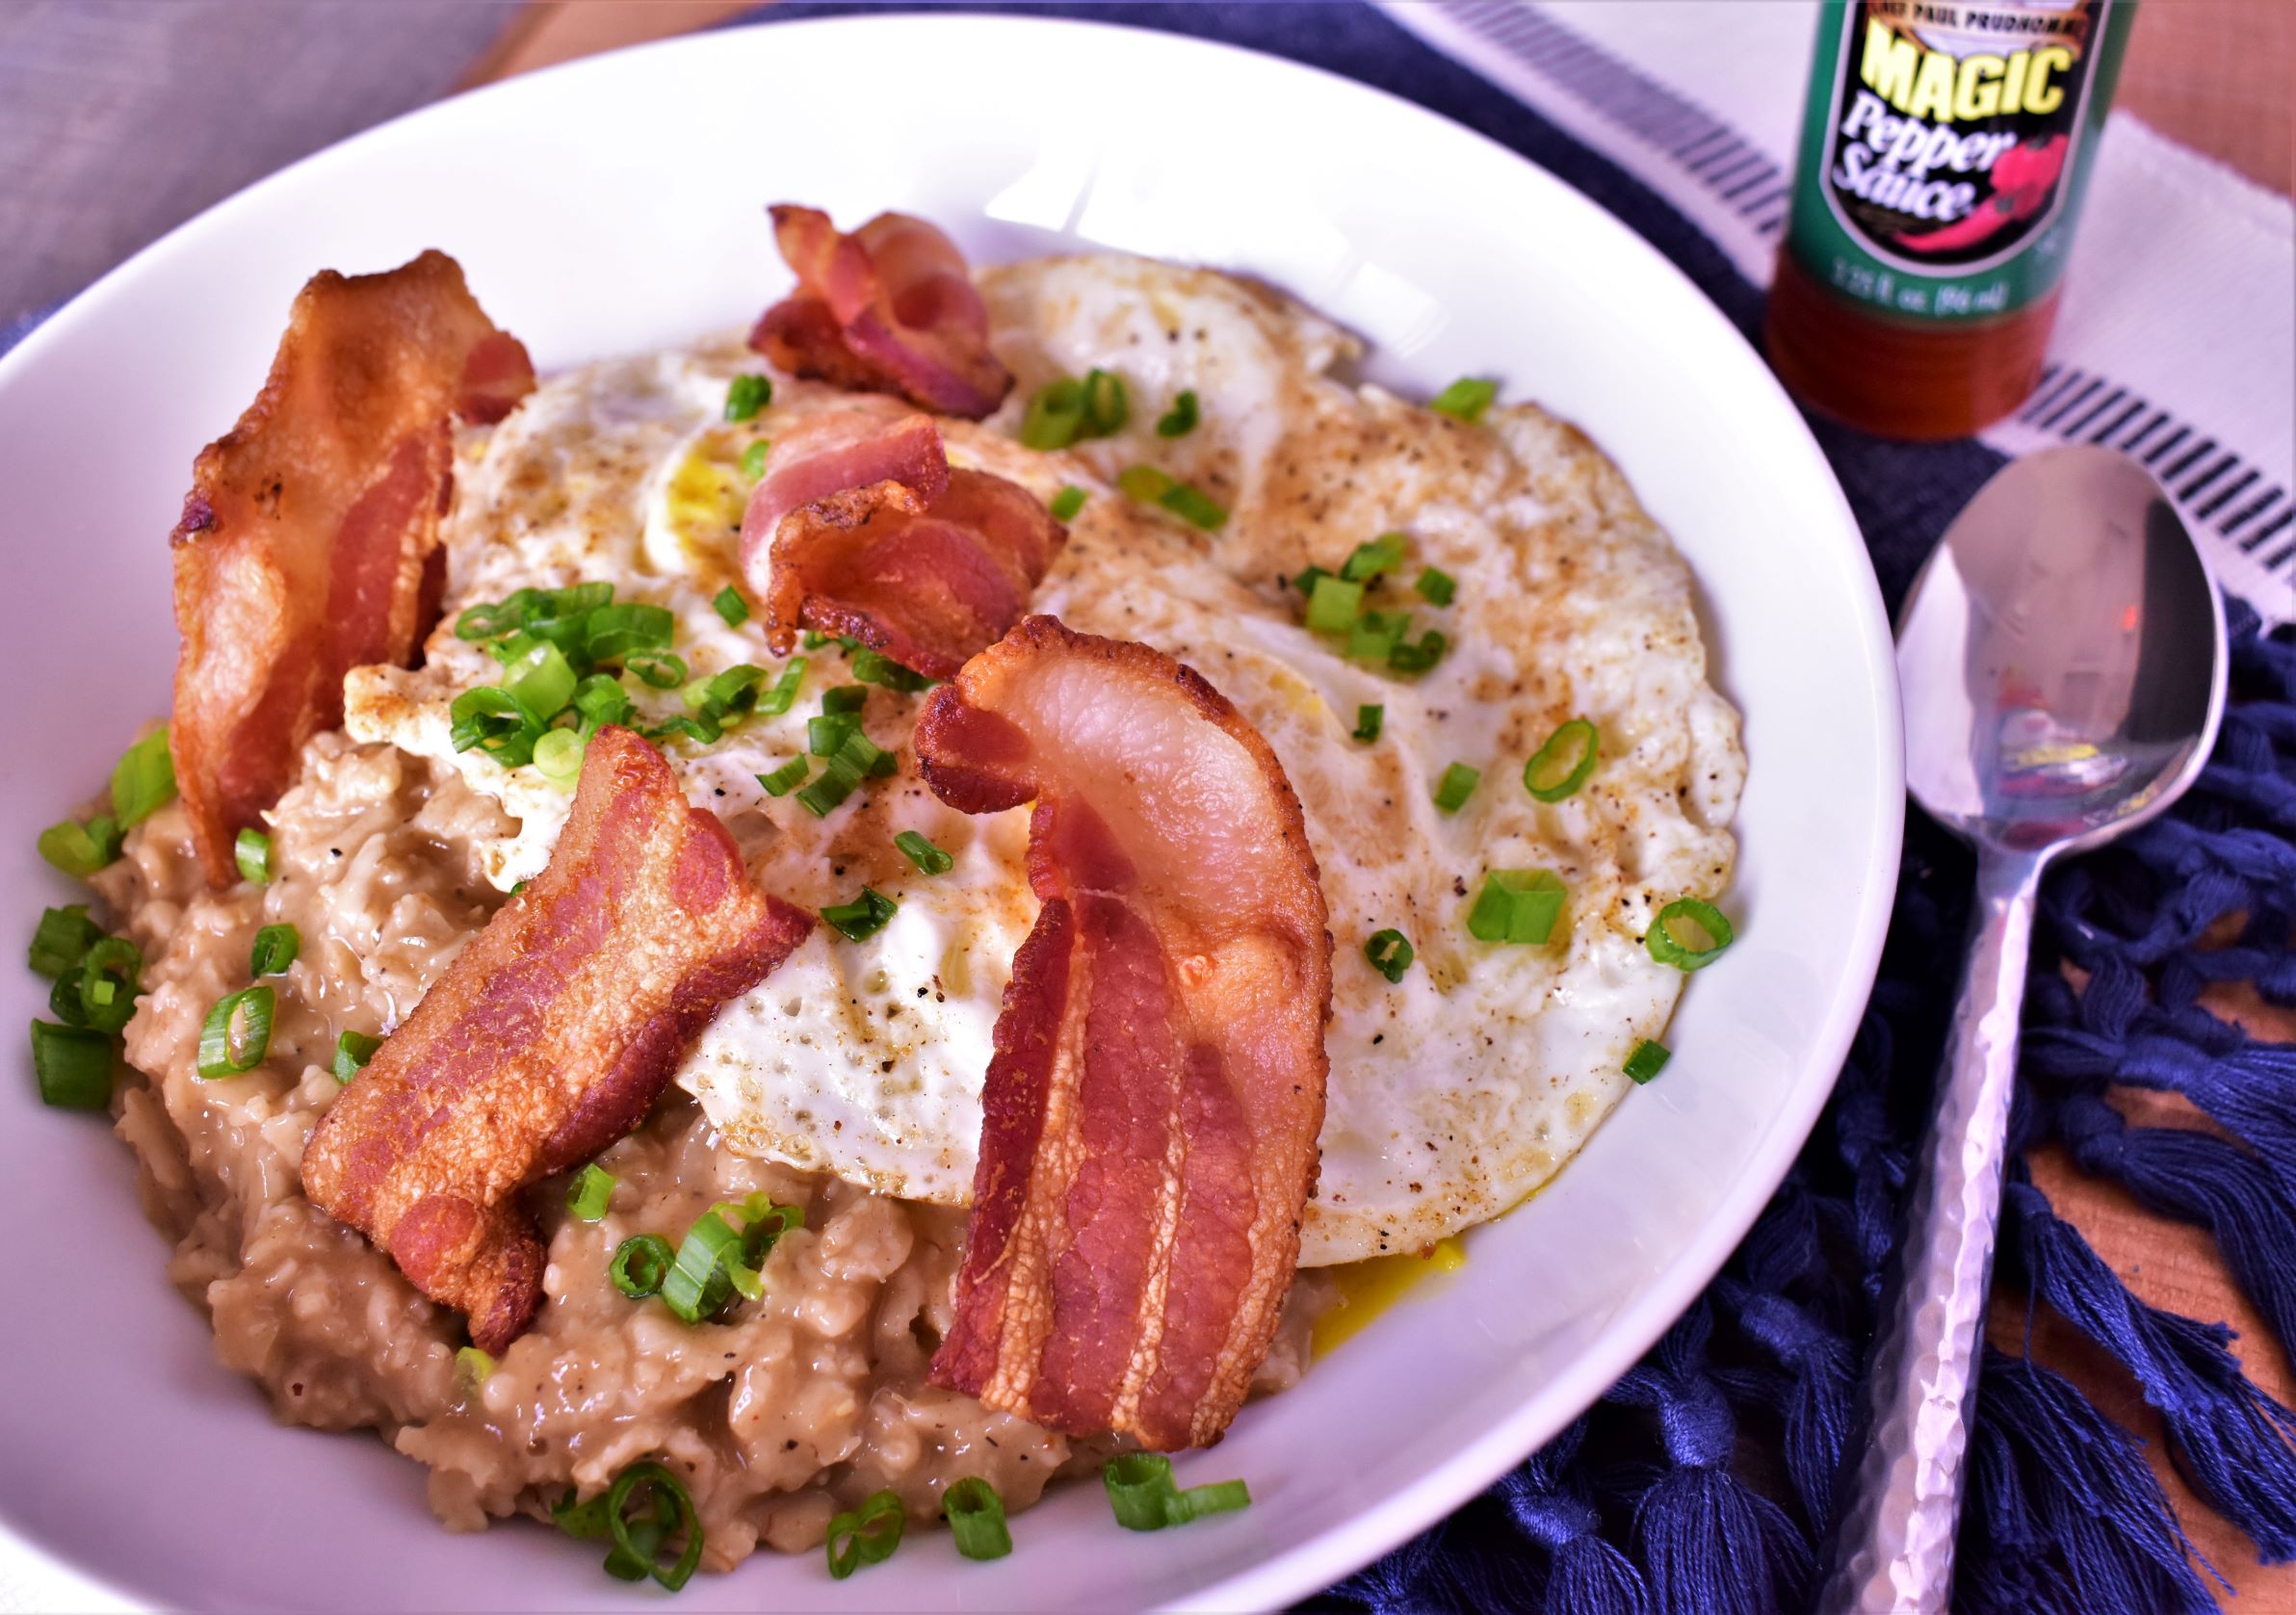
548	1039
309	541
863	529
1150	1115
889	308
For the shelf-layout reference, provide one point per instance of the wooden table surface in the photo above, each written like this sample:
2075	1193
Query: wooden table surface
84	83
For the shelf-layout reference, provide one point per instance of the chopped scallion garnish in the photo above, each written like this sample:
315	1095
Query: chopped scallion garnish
1368	721
1458	784
1376	634
1647	1060
1419	658
80	849
824	733
1107	406
729	604
589	1195
1564	763
845	698
1666	945
1436	587
928	858
1383	554
352	1051
865	1535
275	948
783	695
639	1542
824	795
976	1519
74	1066
557	757
753	460
1055	416
62	940
640	1264
786	778
472	1369
1333	604
143	780
1519	906
747	395
874	666
864	917
1151	486
1144	1499
109	977
236	1034
658	670
1067	503
1181	419
252	849
1390	954
1465	400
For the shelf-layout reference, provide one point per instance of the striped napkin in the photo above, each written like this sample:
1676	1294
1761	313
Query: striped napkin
2176	340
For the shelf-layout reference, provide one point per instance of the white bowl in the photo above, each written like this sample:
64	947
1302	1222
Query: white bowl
616	204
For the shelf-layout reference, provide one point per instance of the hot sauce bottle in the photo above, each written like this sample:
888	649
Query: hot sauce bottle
1944	154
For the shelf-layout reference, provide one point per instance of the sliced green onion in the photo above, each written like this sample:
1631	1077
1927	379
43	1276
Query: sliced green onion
585	1522
601	699
1334	606
783	695
1067	503
864	917
74	1066
1390	952
352	1051
62	940
1561	766
79	849
491	720
786	778
753	460
865	757
472	1369
588	1195
728	602
1669	949
236	1034
976	1519
1458	784
1143	1497
557	757
1436	587
1419	658
1465	400
540	680
928	858
865	1535
1196	508
275	948
824	733
1054	415
1107	406
660	669
252	849
824	795
700	729
1181	419
637	1553
1647	1060
1305	583
1383	554
1375	635
1368	721
1145	483
614	633
697	1285
747	395
65	1002
872	667
143	780
1519	906
639	1266
845	698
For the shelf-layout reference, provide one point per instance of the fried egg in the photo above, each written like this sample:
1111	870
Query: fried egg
1455	1091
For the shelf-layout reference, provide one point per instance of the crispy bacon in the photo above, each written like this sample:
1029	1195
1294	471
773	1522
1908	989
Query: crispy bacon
1150	1114
549	1037
888	308
309	542
863	529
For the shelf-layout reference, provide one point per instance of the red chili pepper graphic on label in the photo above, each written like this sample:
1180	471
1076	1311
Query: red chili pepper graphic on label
2022	178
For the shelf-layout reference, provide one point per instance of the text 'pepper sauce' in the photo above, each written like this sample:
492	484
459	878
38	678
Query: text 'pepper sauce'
1944	154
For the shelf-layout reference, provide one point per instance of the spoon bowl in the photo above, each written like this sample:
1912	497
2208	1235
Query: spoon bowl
2062	654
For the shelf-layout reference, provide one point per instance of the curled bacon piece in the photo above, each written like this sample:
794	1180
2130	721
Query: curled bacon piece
1150	1115
862	528
309	542
549	1037
888	308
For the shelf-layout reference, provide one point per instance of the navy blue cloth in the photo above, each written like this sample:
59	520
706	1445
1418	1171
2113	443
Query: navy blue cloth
1703	1482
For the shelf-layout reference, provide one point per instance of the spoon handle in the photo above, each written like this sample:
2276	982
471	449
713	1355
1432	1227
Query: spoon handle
1895	1548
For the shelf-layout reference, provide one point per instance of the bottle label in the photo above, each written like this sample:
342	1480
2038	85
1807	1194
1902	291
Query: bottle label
1948	146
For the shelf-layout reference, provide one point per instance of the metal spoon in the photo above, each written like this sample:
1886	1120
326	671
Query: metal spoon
2063	659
